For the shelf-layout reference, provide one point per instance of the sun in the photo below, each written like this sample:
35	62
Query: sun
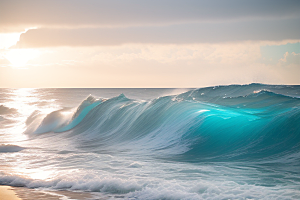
19	57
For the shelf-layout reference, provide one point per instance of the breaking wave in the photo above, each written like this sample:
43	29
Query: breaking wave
131	189
238	122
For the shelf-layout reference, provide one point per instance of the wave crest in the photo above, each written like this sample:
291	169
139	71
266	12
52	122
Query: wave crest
215	123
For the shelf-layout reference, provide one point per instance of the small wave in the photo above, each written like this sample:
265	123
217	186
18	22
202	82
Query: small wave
149	189
86	183
61	120
6	110
32	117
10	148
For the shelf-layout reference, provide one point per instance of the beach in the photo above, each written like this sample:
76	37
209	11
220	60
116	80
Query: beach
23	193
8	193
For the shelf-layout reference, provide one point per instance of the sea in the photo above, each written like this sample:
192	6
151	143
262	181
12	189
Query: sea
220	142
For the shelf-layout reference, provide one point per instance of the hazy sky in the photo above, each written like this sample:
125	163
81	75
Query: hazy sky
157	43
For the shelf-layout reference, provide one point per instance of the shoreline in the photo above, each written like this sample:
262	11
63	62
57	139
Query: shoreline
23	193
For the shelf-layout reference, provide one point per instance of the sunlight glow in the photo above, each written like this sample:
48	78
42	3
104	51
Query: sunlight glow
19	57
8	39
33	173
41	174
24	101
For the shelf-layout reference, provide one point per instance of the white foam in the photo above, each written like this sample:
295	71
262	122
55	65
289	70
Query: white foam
97	184
165	189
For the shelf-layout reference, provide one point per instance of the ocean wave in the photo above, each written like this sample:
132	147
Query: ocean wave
60	120
85	183
2	118
149	189
242	122
7	148
6	110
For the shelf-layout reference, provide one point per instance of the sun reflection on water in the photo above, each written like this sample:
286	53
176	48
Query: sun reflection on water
25	101
35	173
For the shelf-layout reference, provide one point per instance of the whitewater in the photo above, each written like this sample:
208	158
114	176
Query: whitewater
221	142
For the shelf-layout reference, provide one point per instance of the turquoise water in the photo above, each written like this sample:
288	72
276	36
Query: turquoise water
222	142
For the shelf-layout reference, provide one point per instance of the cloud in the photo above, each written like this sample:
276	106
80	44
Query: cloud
218	54
173	34
115	22
280	53
150	65
290	58
119	13
192	55
284	57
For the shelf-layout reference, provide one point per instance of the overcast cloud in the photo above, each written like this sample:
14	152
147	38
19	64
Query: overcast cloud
70	13
173	34
114	22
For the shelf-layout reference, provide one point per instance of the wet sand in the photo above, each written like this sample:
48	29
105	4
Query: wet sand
22	193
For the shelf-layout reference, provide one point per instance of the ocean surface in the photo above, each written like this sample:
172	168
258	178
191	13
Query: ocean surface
222	142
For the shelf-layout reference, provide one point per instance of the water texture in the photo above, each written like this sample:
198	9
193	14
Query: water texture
222	142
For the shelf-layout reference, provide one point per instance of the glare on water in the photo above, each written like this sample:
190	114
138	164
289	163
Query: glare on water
25	101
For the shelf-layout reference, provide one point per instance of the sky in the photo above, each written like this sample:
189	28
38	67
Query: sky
148	44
